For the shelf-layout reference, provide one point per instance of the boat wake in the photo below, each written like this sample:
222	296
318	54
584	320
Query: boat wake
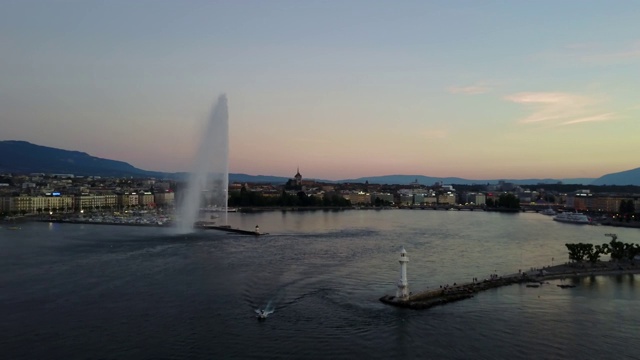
266	311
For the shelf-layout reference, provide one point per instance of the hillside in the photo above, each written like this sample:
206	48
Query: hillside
628	177
429	180
24	157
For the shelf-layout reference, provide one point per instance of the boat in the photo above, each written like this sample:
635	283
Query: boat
565	286
574	218
262	314
549	212
215	208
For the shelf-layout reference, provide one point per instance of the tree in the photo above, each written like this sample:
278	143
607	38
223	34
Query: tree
508	201
617	249
594	255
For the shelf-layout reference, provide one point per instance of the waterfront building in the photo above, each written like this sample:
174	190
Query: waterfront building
386	197
406	199
418	199
145	198
359	197
28	205
21	204
127	200
93	202
5	205
587	201
51	203
448	198
164	198
473	198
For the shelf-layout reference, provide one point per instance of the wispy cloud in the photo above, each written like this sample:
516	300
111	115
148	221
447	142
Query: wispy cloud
598	53
469	90
560	109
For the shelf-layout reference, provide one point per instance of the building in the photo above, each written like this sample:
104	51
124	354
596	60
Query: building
164	198
359	198
146	198
93	202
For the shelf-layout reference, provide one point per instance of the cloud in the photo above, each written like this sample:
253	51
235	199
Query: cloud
601	117
469	90
560	109
598	53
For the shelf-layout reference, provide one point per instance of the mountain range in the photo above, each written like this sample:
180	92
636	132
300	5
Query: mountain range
25	158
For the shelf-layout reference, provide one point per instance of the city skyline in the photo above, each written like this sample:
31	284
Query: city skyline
476	90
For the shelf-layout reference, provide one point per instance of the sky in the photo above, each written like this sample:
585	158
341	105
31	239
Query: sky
338	89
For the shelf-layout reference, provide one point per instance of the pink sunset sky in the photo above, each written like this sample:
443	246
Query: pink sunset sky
478	90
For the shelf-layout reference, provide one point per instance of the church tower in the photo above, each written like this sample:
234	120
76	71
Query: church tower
298	178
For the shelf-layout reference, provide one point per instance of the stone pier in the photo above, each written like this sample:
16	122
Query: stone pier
430	298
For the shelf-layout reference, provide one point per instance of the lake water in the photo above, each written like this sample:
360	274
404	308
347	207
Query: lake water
117	292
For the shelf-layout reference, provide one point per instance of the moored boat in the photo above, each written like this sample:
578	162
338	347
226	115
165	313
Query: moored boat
574	218
548	211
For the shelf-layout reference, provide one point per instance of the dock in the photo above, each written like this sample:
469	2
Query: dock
228	228
444	295
441	296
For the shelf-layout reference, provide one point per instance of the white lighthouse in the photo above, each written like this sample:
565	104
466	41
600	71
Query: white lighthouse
403	283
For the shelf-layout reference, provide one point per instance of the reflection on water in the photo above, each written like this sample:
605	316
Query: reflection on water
91	291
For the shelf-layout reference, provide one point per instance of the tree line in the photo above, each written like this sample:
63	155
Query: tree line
245	198
618	251
506	201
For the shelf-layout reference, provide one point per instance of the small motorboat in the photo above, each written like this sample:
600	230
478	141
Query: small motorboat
565	286
262	314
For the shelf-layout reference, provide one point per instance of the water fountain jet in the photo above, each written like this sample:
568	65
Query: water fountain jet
208	181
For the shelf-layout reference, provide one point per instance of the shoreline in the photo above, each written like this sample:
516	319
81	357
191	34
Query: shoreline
533	278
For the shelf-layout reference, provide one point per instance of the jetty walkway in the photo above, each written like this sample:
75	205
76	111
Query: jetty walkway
444	295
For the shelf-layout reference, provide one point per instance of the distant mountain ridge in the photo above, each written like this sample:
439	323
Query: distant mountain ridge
429	180
23	157
628	177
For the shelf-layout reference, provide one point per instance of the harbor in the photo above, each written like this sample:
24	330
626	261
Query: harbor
150	222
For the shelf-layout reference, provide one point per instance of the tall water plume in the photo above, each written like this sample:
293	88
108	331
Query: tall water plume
208	181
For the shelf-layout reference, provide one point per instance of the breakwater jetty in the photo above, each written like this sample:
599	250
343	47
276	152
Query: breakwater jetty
153	223
228	228
430	298
533	278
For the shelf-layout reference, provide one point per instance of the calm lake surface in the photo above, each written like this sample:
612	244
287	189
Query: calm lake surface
72	291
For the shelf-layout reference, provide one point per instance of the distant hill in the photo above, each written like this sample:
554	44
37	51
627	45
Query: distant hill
628	177
24	157
428	180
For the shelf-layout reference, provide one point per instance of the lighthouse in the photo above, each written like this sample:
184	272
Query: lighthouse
403	283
